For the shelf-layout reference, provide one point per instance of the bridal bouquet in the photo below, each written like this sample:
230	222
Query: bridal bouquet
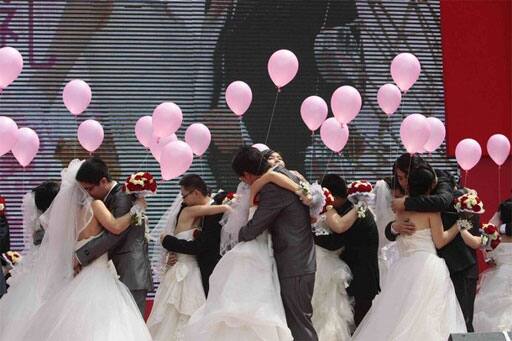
12	258
140	184
360	194
490	237
467	205
322	198
230	198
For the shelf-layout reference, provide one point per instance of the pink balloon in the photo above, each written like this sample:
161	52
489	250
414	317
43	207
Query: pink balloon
176	159
26	147
261	147
8	133
437	134
389	98
405	70
238	97
198	138
468	152
77	95
346	103
167	118
313	111
144	130
90	135
11	64
498	147
414	132
157	144
334	134
282	67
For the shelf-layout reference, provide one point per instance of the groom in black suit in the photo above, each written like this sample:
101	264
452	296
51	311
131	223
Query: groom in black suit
282	213
205	246
459	259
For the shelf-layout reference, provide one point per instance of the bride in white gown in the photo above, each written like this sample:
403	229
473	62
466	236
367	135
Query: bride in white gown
244	301
94	305
418	300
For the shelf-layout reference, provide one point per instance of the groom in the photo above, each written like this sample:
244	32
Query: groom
129	250
283	214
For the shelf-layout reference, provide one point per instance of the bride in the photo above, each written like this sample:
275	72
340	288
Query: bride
94	305
418	300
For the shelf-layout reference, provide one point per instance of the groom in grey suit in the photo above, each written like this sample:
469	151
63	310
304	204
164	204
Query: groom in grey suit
283	214
129	250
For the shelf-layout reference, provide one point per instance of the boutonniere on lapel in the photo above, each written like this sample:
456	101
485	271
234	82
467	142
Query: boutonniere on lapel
360	193
468	205
140	184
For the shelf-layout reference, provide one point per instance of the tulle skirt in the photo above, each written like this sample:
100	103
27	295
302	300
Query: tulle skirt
95	305
179	295
417	302
332	312
244	301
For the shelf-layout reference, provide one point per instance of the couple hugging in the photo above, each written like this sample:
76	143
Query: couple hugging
262	287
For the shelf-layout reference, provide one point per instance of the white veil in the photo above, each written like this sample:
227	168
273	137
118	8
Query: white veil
233	221
166	225
68	215
382	209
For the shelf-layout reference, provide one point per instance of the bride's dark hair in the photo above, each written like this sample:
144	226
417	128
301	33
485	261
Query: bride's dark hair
421	180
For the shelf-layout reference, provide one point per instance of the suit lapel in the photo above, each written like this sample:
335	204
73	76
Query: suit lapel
110	196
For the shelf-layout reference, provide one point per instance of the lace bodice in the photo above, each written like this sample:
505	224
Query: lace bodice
420	241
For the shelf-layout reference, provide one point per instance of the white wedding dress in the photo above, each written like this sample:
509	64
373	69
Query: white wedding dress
333	316
95	305
493	303
179	295
244	301
417	301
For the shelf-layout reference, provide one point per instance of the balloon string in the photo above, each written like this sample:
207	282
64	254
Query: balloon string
241	131
465	178
143	163
272	116
499	184
311	175
326	168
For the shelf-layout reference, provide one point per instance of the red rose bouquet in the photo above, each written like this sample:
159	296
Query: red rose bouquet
140	184
490	237
360	193
467	205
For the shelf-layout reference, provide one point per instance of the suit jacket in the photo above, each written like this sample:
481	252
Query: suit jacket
128	250
456	254
4	247
206	247
361	243
287	219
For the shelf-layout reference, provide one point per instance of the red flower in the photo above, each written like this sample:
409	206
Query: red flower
140	182
476	208
197	233
230	195
490	229
2	206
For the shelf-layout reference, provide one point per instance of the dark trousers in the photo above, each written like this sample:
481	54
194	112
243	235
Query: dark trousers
465	289
296	293
361	307
3	286
140	298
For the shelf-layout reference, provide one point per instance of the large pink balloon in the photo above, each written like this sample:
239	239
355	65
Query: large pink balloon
144	130
334	134
238	97
8	133
468	152
157	144
389	98
498	147
90	135
437	134
314	111
77	95
405	70
260	146
167	118
414	132
11	64
198	138
346	103
282	67
176	159
26	147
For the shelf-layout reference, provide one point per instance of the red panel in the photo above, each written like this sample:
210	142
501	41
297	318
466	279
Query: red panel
476	39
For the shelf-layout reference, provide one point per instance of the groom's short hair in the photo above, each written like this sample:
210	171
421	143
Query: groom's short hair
250	160
335	184
194	181
92	171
